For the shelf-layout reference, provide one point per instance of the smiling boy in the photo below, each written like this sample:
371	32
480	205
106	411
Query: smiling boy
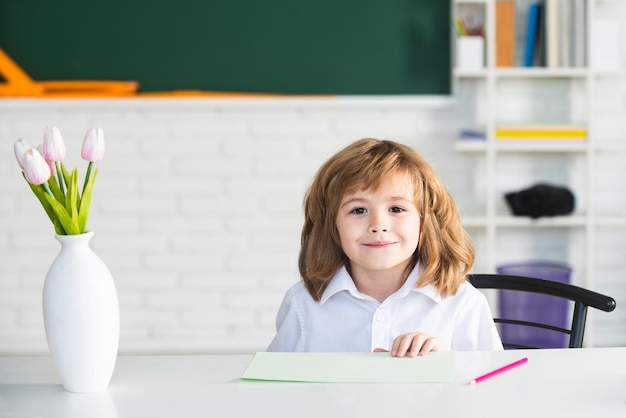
383	262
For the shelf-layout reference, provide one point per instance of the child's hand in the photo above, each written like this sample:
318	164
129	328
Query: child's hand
413	344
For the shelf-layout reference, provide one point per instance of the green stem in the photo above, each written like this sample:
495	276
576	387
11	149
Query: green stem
60	175
47	189
87	177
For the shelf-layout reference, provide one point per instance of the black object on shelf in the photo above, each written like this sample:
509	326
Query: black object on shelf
541	200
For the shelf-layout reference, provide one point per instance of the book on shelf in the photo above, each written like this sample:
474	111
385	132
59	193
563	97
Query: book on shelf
505	33
531	34
551	33
539	59
552	55
579	37
541	132
565	29
472	134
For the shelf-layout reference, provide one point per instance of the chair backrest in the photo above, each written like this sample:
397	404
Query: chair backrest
581	298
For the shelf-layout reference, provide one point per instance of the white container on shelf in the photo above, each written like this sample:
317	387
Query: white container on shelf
470	52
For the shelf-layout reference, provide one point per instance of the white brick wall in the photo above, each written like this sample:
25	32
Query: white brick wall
197	207
196	210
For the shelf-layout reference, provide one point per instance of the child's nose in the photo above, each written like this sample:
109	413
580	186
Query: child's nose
378	224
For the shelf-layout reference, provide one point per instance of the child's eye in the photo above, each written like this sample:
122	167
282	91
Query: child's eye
396	209
358	211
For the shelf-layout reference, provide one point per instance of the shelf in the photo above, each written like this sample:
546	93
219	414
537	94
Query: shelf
610	221
610	147
530	96
526	222
561	146
527	72
476	145
535	72
557	221
574	221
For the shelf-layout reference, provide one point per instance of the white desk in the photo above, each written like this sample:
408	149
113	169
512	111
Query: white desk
554	383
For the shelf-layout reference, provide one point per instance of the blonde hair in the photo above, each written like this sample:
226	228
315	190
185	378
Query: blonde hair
444	250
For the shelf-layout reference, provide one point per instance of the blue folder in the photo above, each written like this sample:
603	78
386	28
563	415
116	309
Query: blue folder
533	15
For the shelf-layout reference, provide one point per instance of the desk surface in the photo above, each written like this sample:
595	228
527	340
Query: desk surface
554	383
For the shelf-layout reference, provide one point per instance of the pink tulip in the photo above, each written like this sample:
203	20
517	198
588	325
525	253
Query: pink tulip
53	145
36	168
53	168
20	148
93	145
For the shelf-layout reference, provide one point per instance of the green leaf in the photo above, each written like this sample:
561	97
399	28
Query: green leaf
56	191
70	225
66	176
71	200
58	228
86	202
41	196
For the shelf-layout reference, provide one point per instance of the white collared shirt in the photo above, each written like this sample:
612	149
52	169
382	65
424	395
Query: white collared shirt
346	320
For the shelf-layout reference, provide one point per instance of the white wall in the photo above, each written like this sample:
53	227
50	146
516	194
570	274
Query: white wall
197	208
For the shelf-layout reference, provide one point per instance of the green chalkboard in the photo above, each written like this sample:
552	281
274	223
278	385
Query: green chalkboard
347	47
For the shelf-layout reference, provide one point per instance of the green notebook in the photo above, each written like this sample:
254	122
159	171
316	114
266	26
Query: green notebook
436	367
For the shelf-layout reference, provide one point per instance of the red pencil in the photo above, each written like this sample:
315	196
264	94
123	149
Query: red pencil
498	371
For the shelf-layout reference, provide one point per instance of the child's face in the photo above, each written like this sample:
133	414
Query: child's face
379	232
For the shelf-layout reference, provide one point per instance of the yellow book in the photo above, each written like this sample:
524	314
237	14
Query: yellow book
541	133
575	132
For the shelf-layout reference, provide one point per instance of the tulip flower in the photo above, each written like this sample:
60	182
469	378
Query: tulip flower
20	148
93	150
36	168
53	145
65	205
93	145
54	151
53	168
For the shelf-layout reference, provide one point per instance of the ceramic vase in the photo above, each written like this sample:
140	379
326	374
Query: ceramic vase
81	316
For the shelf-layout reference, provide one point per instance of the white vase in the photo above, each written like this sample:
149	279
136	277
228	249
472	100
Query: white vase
81	316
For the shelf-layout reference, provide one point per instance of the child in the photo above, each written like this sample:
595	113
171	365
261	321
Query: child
383	262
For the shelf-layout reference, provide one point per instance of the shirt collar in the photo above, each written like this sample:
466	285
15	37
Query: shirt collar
429	290
342	281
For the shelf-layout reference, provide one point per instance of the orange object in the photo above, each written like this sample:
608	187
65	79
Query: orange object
201	93
19	84
175	94
505	33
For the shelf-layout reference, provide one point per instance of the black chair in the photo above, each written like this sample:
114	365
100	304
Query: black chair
581	298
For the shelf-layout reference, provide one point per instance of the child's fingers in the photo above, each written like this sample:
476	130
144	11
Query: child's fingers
400	345
431	344
414	344
408	344
417	345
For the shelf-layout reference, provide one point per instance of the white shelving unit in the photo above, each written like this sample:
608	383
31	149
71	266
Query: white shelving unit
526	95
